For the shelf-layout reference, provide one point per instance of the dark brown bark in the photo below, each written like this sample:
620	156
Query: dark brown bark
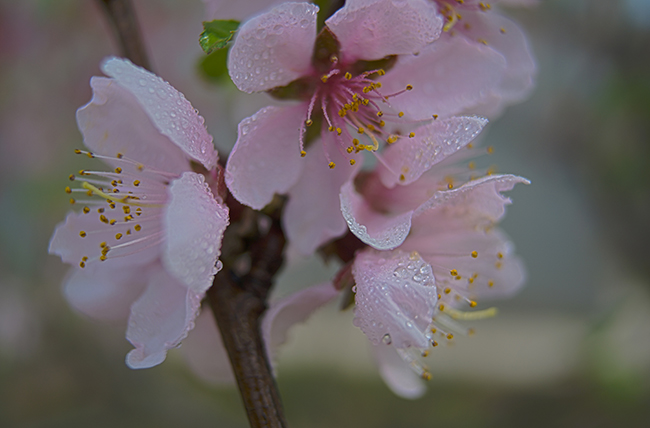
122	18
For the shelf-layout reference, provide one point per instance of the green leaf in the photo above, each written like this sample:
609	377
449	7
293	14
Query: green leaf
216	34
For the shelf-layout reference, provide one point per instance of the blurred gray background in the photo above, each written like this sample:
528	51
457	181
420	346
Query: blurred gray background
571	350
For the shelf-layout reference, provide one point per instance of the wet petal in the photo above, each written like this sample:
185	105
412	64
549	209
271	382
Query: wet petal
313	214
274	48
378	230
373	29
449	76
167	108
266	157
103	291
296	308
397	374
194	223
395	298
409	158
160	319
114	122
204	351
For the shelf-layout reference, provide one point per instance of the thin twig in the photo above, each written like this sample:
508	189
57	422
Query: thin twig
122	17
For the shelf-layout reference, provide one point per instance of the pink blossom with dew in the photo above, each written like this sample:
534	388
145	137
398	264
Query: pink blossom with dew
482	26
343	109
204	350
146	240
442	235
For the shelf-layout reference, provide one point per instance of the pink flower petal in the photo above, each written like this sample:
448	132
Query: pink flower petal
409	158
313	214
373	29
274	48
194	223
296	308
115	122
167	108
449	76
160	319
397	374
103	291
395	298
266	157
505	37
68	244
204	351
479	198
239	10
376	229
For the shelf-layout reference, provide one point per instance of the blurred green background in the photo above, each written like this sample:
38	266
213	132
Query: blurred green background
571	350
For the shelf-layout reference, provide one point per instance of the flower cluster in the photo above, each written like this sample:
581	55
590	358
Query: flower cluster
395	84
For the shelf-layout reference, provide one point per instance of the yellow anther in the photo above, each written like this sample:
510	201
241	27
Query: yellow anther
381	72
441	307
450	186
472	304
77	151
136	183
382	123
453	272
100	210
498	265
303	153
114	183
409	87
499	255
435	116
490	283
102	258
103	219
82	234
471	165
86	210
120	155
103	245
68	190
470	332
400	114
90	155
128	218
360	130
112	222
377	84
411	134
331	165
137	227
365	101
140	167
82	172
483	41
71	177
348	75
380	113
128	231
490	150
474	254
118	236
401	177
425	353
434	330
470	280
426	375
126	209
447	290
391	139
371	127
339	131
82	265
324	78
352	161
118	170
450	336
503	30
349	149
334	59
72	201
309	122
434	343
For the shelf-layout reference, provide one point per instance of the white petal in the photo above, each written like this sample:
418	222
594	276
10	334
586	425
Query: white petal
274	48
194	222
167	108
160	319
397	374
395	298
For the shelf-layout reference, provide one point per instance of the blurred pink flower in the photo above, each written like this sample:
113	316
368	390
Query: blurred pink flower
147	238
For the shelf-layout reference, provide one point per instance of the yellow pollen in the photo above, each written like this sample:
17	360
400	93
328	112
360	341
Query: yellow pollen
128	231
377	84
82	234
435	116
309	122
102	245
382	123
72	201
365	101
400	114
371	127
472	304
126	209
303	153
434	343
447	290
324	78
401	177
425	353
352	161
86	210
331	165
136	183
503	30
380	113
68	190
103	219
434	330
137	227
118	170
426	375
120	155
140	167
483	41
409	87
470	280
348	75
474	254
100	210
82	265
71	177
441	307
490	283
102	257
77	151
450	336
499	255
411	134
349	149
118	236
112	222
360	130
391	139
450	186
339	131
453	272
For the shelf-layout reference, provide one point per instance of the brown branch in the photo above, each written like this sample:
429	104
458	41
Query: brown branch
122	18
238	305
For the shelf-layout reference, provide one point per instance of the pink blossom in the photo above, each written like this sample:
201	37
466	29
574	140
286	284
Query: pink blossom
338	94
146	241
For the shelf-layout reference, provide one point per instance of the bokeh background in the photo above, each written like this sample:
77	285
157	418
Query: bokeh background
571	350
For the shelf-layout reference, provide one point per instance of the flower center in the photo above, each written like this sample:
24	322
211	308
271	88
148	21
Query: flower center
128	203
